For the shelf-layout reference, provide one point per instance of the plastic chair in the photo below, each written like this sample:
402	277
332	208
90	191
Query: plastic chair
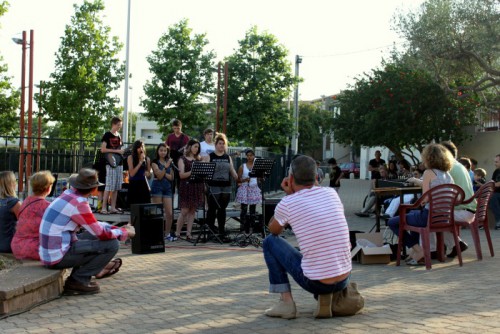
442	200
482	196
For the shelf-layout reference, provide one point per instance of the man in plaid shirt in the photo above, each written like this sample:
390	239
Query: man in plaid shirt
88	253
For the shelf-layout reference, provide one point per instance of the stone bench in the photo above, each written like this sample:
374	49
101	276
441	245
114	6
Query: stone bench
28	284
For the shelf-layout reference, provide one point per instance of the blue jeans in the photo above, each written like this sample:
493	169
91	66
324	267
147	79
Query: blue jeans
88	256
416	218
283	259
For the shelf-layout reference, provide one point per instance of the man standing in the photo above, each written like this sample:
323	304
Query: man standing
324	264
176	141
207	146
88	253
495	198
374	165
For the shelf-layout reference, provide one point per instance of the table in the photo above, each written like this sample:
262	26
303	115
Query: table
388	191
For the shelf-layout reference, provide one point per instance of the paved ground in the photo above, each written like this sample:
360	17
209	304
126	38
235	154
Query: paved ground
214	289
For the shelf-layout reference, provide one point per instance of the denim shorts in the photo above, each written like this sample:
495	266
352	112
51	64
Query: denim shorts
161	189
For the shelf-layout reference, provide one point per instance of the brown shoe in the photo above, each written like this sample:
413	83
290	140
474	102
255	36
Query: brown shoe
324	306
73	287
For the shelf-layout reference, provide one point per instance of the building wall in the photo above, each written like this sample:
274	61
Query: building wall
483	147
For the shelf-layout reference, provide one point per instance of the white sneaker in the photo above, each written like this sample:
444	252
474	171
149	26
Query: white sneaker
285	310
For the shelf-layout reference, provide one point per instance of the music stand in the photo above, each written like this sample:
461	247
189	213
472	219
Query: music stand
203	172
261	169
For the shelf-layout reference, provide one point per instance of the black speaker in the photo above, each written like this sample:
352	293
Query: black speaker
269	206
148	223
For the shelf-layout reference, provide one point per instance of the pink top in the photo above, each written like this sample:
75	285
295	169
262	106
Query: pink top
317	218
26	239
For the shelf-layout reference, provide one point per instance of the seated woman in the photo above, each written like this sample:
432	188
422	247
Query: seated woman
9	208
394	202
26	240
438	161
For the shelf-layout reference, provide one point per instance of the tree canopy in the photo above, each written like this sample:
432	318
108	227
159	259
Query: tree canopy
458	42
260	81
9	96
87	71
400	108
182	79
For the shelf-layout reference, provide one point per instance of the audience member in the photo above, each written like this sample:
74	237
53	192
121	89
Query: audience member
161	189
479	178
9	210
319	270
26	240
393	207
190	193
139	171
463	212
88	253
372	199
207	146
467	164
374	165
439	162
248	194
392	170
495	198
404	171
320	177
335	174
111	145
219	192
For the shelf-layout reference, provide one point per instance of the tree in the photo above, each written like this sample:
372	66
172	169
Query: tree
313	121
9	97
260	81
458	42
182	78
87	71
400	108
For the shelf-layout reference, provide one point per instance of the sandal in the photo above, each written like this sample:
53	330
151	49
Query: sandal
414	262
114	212
104	212
116	264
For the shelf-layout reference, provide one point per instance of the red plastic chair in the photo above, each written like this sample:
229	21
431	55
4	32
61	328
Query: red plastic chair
482	197
442	200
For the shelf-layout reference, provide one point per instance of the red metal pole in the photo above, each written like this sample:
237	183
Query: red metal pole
224	120
20	185
217	112
39	139
30	110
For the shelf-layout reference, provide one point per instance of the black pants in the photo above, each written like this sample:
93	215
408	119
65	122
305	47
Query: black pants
246	220
217	204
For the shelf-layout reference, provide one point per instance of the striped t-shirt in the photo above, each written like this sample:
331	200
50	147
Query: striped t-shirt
317	218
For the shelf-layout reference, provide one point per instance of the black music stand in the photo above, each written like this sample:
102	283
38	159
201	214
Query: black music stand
203	172
261	169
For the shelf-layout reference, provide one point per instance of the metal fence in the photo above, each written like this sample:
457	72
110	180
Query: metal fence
66	156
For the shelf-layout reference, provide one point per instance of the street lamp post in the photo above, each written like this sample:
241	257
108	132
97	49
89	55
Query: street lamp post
39	130
295	135
127	61
30	109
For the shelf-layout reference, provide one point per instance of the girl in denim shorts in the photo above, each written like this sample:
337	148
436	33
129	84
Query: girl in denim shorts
161	189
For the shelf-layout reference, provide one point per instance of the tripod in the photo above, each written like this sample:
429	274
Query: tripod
203	172
261	168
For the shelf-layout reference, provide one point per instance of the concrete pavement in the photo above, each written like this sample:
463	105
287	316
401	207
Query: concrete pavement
222	289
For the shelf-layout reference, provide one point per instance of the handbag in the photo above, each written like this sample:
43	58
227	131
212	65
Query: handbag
348	301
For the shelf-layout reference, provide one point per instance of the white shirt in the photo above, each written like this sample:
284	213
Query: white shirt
206	148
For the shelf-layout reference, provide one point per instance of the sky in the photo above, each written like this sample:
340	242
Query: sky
338	40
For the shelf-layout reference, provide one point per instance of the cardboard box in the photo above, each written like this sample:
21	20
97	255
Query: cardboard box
370	249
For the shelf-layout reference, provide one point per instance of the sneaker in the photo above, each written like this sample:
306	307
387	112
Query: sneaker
362	214
324	306
74	287
453	253
282	310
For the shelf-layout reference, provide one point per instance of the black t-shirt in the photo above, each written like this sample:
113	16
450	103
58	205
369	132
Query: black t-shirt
113	142
376	164
335	174
496	178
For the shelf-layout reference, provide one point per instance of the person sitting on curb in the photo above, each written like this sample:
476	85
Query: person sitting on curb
88	253
324	264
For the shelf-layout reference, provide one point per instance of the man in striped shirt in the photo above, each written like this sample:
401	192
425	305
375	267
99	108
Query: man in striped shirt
323	265
88	253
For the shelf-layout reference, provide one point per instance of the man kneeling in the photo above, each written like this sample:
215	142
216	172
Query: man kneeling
88	253
323	265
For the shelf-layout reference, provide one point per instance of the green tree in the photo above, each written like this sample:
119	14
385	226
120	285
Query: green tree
87	71
458	42
400	109
182	78
313	121
259	82
9	97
